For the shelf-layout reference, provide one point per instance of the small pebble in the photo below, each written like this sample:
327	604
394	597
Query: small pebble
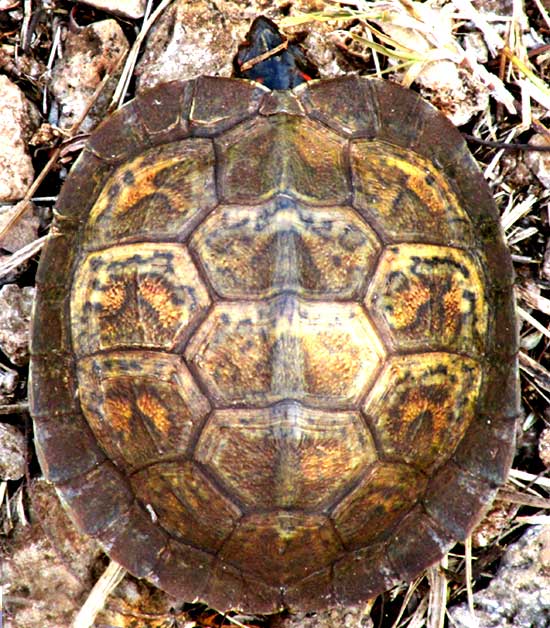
18	120
539	162
12	453
15	314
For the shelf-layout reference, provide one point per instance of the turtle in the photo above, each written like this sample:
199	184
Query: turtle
274	347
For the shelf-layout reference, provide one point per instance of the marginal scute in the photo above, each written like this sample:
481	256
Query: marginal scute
494	252
418	542
351	115
131	137
355	580
257	252
430	296
164	111
140	405
138	541
56	259
286	456
98	499
456	500
51	310
182	570
500	390
485	451
293	546
66	447
503	318
160	193
220	103
78	194
402	114
143	295
229	587
259	353
52	385
312	592
422	404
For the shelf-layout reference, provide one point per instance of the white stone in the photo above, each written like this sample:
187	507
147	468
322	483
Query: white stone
88	55
15	315
17	121
539	162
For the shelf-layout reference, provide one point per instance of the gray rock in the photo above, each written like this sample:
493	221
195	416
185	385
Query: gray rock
18	120
519	595
15	314
45	568
24	231
12	453
89	54
187	42
8	384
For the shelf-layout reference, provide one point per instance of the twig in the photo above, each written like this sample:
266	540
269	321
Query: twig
101	590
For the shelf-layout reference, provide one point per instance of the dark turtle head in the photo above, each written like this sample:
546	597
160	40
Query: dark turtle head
277	69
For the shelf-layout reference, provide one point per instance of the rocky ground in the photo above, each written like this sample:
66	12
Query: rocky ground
65	65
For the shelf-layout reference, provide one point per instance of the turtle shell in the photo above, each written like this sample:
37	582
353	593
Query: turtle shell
274	343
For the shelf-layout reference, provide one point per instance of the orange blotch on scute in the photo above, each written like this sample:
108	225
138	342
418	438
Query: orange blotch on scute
152	407
160	299
451	305
114	296
120	413
406	308
418	405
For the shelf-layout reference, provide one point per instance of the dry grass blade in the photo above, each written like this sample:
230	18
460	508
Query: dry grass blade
491	36
327	15
539	90
543	12
437	603
14	408
535	370
515	497
21	255
529	478
407	598
131	59
235	622
532	298
3	488
468	560
512	213
108	582
266	55
418	618
533	322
